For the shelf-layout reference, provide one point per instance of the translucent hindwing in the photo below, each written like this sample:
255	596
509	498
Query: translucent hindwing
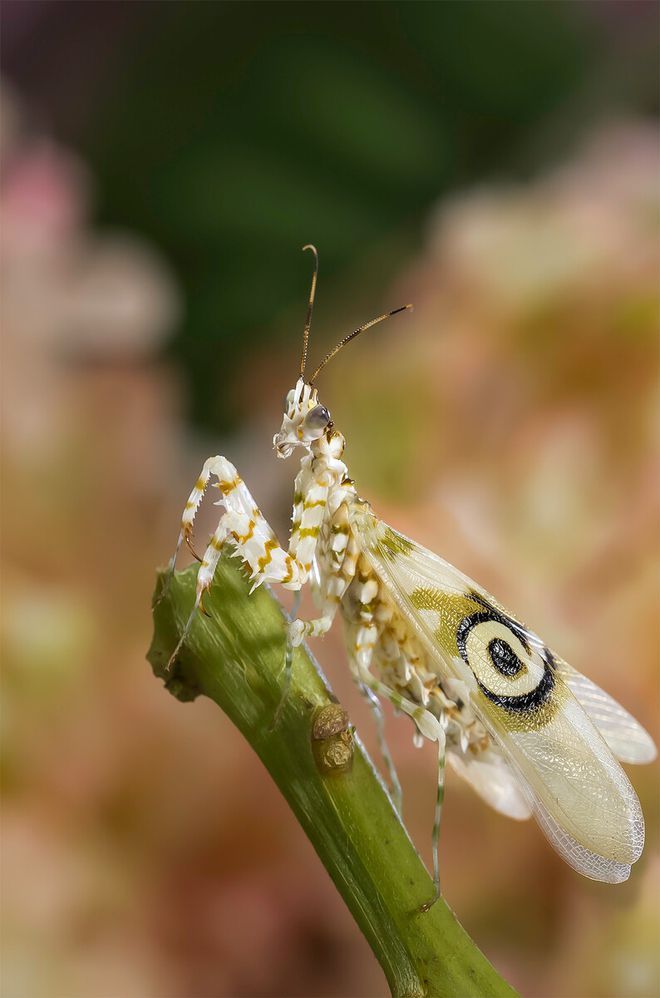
556	730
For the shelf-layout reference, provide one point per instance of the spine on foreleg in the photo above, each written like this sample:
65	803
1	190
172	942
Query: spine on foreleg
250	533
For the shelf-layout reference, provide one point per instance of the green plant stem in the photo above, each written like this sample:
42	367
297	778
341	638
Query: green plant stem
236	658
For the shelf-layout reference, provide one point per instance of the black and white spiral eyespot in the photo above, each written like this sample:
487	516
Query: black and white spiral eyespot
511	671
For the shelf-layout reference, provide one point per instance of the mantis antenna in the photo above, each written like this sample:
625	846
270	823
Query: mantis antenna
351	336
310	307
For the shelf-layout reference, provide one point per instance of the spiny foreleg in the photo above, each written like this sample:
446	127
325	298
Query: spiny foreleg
243	527
232	529
204	578
211	465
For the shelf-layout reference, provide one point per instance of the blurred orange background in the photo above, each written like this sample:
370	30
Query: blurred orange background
154	200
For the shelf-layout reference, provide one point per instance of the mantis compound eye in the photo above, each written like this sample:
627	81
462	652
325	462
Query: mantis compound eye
317	418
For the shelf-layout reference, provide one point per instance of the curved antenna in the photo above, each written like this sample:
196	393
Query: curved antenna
351	336
310	307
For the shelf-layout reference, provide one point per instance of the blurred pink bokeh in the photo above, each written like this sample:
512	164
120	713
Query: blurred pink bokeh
511	426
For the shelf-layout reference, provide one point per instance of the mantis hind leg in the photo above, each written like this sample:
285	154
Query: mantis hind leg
360	655
379	718
365	638
435	835
288	663
430	727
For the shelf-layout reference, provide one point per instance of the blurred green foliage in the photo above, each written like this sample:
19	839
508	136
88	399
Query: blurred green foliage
232	133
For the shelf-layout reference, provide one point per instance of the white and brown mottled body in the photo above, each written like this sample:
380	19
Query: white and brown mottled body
528	732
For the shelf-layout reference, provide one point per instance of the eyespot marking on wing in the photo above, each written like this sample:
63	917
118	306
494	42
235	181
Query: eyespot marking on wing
504	657
512	672
581	797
